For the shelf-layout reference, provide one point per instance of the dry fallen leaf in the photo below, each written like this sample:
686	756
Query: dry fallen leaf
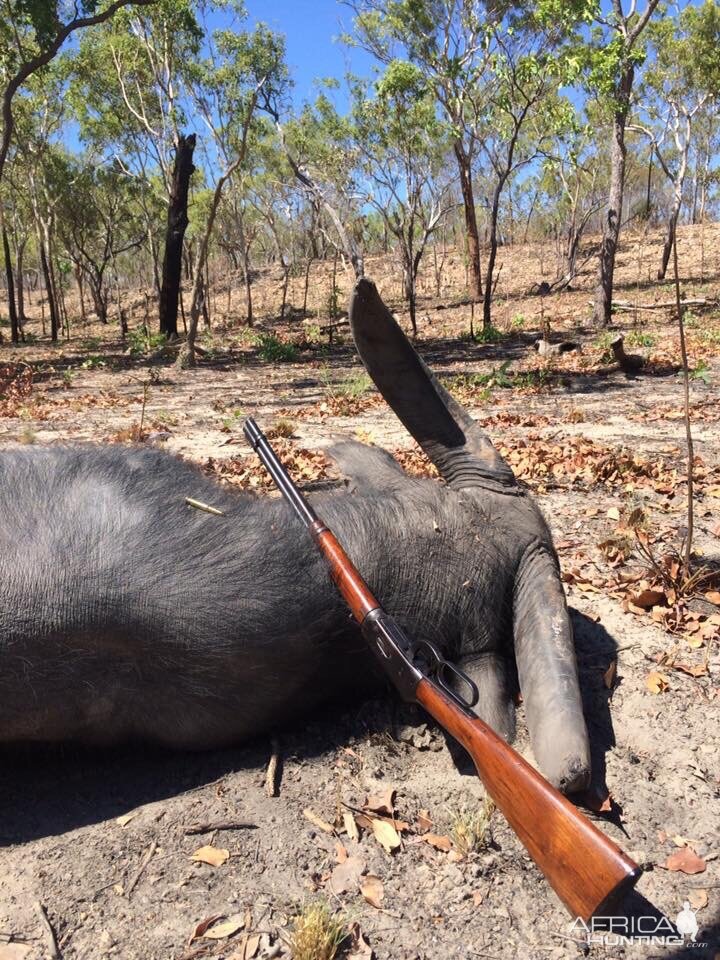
372	889
680	841
439	842
350	826
698	899
200	927
423	821
713	596
360	949
610	674
318	821
657	682
219	931
346	876
382	802
214	856
386	835
341	853
685	860
613	513
693	670
478	897
648	598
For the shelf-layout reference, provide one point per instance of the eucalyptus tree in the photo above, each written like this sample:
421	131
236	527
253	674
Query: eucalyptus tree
243	75
683	77
36	164
131	103
97	222
704	150
450	42
31	34
522	112
322	153
611	60
403	148
570	182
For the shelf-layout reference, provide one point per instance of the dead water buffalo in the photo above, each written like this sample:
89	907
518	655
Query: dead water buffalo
125	614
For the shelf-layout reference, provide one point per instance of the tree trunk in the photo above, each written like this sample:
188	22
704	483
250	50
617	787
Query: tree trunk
81	291
14	327
669	241
177	221
286	281
471	228
490	268
611	229
677	205
20	285
186	357
247	279
307	284
50	291
99	297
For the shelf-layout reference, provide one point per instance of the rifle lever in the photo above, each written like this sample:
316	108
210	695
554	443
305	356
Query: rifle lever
443	672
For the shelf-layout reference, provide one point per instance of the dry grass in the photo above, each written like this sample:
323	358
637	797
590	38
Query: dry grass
469	827
318	932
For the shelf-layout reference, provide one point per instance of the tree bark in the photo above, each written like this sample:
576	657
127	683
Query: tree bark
490	268
247	279
20	284
12	310
81	291
471	227
50	291
611	229
177	221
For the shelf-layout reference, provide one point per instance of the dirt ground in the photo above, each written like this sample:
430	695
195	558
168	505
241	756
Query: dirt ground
101	839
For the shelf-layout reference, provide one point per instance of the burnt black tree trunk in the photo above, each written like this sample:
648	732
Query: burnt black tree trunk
177	222
14	327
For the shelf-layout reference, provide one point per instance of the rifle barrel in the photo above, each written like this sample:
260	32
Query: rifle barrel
258	441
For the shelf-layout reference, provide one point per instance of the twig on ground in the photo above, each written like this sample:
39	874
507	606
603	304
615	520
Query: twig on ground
221	825
147	857
271	775
48	930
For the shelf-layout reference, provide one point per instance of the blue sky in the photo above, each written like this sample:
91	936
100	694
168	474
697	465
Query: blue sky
311	29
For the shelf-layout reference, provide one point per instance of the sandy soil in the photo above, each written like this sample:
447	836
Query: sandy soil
100	838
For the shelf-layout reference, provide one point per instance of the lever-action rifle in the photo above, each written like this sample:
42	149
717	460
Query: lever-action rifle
587	870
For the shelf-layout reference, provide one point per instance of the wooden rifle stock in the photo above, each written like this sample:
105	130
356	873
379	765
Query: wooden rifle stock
587	870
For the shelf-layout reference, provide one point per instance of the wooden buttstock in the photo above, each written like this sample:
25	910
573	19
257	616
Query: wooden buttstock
586	869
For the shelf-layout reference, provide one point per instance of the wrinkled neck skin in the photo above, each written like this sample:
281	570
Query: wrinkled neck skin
441	561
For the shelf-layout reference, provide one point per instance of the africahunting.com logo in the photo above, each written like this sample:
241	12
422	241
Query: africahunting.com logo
650	930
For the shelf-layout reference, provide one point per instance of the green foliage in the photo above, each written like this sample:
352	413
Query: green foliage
640	338
701	371
274	350
141	341
489	335
351	388
93	362
603	343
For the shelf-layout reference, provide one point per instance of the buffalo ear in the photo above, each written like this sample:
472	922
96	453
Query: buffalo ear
459	448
